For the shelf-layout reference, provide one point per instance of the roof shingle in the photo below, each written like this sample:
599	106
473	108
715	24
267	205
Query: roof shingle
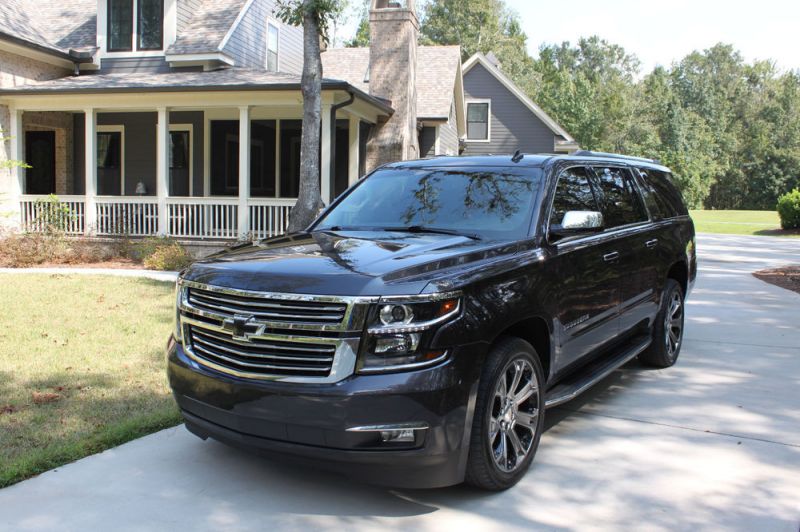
57	25
207	27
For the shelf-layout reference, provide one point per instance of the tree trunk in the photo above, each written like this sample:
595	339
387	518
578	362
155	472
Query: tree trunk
309	201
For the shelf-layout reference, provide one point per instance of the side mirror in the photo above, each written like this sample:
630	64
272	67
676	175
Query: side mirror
577	223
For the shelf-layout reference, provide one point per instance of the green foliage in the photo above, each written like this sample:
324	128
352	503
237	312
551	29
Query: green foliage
325	12
729	130
789	209
51	216
163	254
361	38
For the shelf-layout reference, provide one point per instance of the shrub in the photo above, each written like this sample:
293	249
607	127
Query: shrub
789	209
51	216
163	254
20	251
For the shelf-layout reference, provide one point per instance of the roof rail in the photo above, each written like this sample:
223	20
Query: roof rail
587	153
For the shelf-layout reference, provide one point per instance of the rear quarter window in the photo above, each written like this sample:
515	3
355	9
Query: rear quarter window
664	193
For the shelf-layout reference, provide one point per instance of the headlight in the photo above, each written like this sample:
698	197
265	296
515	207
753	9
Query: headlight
179	291
400	331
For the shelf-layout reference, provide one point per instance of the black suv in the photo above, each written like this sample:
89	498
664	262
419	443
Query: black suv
415	334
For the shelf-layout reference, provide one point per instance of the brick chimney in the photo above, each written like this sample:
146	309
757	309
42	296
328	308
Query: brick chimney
394	30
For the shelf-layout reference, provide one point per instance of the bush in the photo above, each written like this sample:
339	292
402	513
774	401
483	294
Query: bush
31	249
164	254
789	209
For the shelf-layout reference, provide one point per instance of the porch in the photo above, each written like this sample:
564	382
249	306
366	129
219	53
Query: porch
177	168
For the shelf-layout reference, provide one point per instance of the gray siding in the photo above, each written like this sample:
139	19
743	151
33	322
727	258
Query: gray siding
140	148
247	45
513	126
125	65
448	134
186	8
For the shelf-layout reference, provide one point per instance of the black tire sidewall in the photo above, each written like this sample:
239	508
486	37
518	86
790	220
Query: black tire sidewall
499	359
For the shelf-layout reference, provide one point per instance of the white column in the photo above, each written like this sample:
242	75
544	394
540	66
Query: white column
326	171
162	169
352	170
17	142
244	170
90	168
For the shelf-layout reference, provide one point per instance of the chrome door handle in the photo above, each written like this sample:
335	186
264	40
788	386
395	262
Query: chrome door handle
651	243
608	257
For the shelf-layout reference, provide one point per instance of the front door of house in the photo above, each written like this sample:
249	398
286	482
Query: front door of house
40	154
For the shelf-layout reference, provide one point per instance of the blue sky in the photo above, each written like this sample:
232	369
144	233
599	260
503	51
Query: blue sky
659	31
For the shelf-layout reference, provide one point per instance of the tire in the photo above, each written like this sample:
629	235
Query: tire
667	330
487	467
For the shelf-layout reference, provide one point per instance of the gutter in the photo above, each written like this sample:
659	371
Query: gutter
72	55
334	109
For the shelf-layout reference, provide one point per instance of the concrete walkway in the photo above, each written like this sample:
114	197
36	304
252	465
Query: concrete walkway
119	272
713	443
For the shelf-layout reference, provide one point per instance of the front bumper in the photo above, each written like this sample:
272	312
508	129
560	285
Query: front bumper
310	421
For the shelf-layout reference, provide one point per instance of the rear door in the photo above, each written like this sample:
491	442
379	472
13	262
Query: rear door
628	227
583	274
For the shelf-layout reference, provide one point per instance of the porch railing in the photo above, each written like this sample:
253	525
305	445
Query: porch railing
212	218
269	217
121	215
37	213
202	217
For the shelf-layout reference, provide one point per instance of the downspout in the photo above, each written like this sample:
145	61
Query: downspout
332	161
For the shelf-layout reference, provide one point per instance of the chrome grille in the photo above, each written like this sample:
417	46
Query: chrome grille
261	357
268	309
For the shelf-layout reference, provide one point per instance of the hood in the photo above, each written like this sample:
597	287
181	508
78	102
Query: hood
345	263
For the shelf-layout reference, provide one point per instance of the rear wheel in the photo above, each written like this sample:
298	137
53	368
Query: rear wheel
667	330
509	416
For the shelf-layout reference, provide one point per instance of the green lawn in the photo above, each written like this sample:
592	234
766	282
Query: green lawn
740	223
81	367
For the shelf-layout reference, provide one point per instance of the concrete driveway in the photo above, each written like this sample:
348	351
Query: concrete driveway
713	443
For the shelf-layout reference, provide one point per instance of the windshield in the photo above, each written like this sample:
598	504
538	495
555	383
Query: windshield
493	203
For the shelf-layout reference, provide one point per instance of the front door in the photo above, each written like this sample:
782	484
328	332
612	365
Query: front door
40	154
585	273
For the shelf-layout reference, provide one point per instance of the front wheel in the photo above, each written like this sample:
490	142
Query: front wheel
509	416
667	330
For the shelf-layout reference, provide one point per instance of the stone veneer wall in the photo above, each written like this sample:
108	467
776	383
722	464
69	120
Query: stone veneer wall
393	75
19	70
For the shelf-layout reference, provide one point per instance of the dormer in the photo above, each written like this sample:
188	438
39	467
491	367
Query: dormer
135	28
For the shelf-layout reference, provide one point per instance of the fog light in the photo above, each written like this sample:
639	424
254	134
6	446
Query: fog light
398	436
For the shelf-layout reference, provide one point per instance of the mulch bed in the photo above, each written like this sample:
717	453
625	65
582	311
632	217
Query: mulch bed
787	277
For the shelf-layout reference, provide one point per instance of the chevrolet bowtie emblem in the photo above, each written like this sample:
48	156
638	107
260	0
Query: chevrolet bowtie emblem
243	327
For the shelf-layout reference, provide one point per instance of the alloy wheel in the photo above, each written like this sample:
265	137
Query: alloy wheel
514	415
673	324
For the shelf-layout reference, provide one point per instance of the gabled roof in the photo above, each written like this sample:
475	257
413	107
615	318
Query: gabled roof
55	26
480	59
210	26
437	75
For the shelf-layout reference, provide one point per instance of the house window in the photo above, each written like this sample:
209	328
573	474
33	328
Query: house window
110	157
273	34
180	160
142	18
150	25
478	120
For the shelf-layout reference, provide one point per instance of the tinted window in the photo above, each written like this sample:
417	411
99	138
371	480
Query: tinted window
150	31
573	193
656	204
666	192
120	25
494	203
620	201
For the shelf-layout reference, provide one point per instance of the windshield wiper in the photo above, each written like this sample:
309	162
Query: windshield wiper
433	230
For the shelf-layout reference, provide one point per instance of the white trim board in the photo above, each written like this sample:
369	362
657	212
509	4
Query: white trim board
479	58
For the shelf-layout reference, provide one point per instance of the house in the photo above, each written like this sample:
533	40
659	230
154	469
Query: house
502	119
132	111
